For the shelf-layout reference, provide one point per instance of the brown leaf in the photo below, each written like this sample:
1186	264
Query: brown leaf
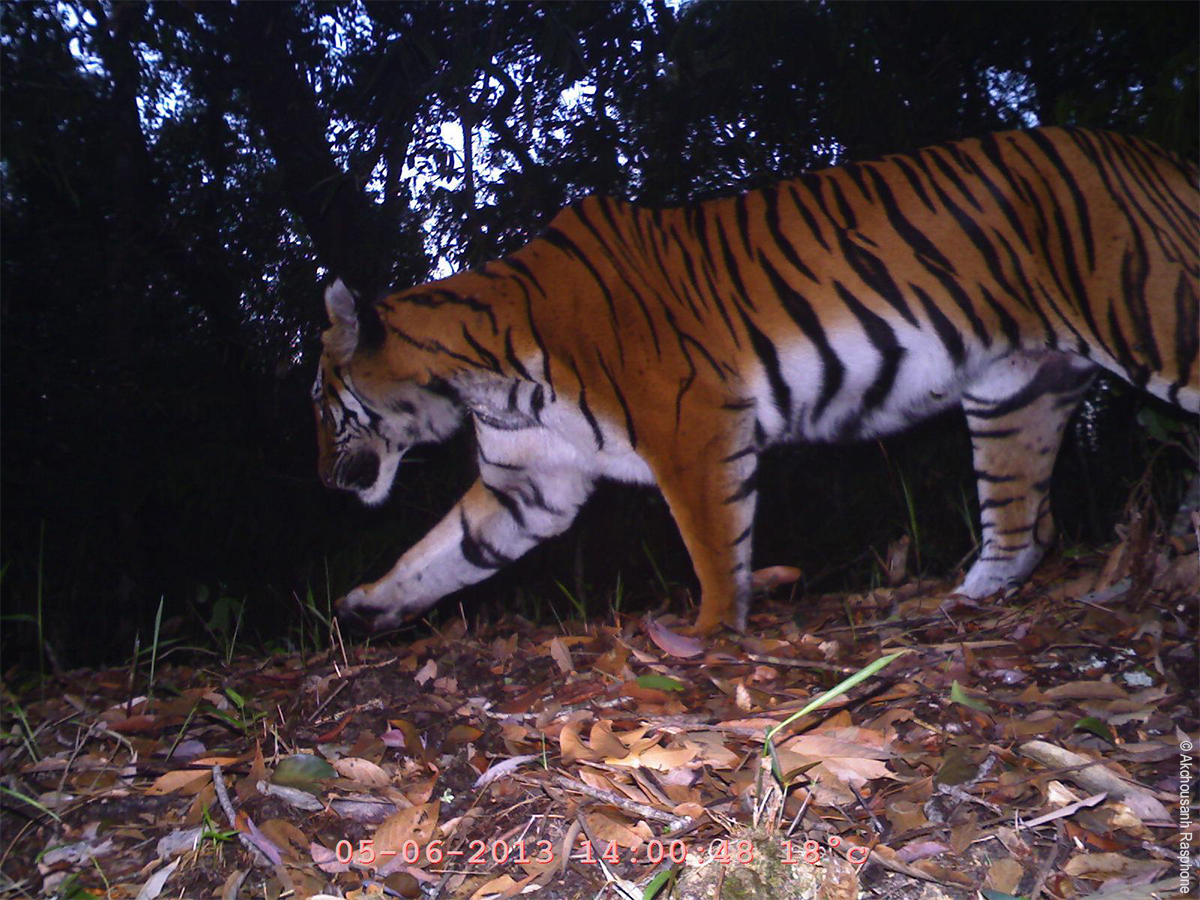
772	577
1086	690
1005	875
363	771
562	656
671	643
461	734
417	824
137	724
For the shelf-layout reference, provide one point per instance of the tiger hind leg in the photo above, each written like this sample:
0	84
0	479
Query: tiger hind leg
1017	409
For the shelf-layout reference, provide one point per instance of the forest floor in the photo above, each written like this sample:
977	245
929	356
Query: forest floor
1039	747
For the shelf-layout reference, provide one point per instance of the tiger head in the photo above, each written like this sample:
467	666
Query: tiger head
369	410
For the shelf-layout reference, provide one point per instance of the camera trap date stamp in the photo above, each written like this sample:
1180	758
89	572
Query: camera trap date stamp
544	852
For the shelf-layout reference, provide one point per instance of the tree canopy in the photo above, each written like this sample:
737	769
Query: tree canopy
179	179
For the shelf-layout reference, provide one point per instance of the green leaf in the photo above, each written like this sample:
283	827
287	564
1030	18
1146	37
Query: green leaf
958	767
1155	425
301	770
959	695
836	691
659	683
1096	727
656	884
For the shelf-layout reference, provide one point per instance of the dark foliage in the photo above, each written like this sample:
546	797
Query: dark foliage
178	179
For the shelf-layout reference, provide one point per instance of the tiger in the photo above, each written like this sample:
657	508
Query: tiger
672	346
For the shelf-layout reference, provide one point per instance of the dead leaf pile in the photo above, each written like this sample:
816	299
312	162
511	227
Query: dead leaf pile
1032	748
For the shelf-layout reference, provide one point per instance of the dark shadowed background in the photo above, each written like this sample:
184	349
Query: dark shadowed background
178	179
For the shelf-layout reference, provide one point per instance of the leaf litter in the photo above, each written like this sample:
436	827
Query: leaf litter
1029	748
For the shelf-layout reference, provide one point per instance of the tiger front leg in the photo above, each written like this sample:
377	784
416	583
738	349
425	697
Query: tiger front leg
711	490
499	518
1016	412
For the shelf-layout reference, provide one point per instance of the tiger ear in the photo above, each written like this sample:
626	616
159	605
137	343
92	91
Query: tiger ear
342	306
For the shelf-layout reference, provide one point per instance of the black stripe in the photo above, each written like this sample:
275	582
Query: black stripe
684	338
585	409
692	280
1020	529
975	234
993	479
1026	295
606	210
489	359
1008	324
1001	200
745	488
1016	184
814	184
807	215
849	220
620	399
875	275
435	299
715	294
1134	280
539	500
954	289
511	356
997	503
1084	220
611	252
508	502
731	267
911	235
662	267
698	222
771	195
990	434
559	240
741	208
537	401
945	329
1138	374
952	176
477	551
511	467
1187	332
883	337
525	272
1076	295
855	171
781	394
801	312
1042	382
533	329
739	454
914	180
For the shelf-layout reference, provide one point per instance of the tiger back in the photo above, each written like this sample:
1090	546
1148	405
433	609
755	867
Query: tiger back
672	346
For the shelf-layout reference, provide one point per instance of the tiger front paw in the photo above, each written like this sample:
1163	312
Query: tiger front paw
364	610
